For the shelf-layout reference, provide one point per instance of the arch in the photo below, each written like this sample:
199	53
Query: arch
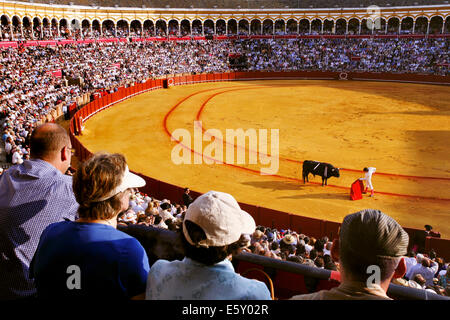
366	26
173	27
268	26
149	28
36	28
197	27
421	25
232	26
255	27
291	26
303	26
340	26
208	27
244	26
161	28
393	25
436	23
447	25
86	28
5	28
221	27
407	25
4	20
185	26
136	28
108	28
353	26
316	26
122	28
279	26
379	25
328	26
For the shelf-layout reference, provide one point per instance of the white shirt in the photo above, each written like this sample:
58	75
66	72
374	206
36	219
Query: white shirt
17	158
410	263
427	273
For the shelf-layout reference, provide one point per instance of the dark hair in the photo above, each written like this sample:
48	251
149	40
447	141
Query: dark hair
301	248
365	169
47	139
313	254
275	245
319	262
165	206
306	239
319	245
210	255
158	219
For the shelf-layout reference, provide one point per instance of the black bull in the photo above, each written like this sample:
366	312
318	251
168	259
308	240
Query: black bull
325	170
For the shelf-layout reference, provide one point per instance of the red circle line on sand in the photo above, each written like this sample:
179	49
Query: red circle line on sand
167	131
202	108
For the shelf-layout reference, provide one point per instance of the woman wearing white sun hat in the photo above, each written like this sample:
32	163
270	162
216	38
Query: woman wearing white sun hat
107	262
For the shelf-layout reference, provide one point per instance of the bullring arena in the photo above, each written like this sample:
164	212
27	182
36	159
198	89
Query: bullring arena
401	129
232	96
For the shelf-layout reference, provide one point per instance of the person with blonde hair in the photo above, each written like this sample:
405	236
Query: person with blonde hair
89	257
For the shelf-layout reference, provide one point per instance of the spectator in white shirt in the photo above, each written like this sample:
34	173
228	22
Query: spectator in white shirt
427	269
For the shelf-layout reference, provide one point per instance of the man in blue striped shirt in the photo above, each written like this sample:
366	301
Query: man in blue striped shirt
33	195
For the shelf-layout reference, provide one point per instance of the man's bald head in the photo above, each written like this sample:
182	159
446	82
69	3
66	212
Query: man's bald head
48	139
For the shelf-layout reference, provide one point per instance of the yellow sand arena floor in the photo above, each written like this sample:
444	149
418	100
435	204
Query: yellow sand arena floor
401	129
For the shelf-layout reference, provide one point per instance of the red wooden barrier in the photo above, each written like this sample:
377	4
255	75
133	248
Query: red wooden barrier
287	284
203	77
189	79
273	218
440	246
210	77
252	210
331	229
309	226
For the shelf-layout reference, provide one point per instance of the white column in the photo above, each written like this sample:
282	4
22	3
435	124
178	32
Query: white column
115	30
226	28
414	26
273	25
298	27
262	30
285	28
428	27
11	30
443	26
249	28
359	30
399	27
21	30
323	23
346	26
310	27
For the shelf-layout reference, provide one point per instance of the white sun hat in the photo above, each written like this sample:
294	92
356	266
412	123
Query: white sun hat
220	217
129	180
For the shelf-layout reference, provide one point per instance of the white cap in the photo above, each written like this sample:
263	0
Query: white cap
220	217
129	180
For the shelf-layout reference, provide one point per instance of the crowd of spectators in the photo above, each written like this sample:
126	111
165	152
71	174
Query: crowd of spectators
426	271
28	89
